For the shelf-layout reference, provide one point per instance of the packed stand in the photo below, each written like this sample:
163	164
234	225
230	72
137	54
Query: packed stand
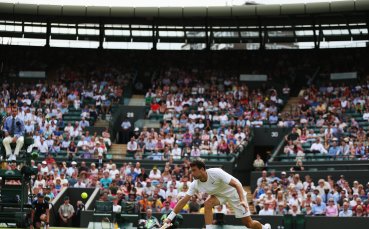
290	194
131	188
330	121
56	117
208	116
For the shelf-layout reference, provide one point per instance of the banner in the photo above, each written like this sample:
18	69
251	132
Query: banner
253	77
32	74
344	76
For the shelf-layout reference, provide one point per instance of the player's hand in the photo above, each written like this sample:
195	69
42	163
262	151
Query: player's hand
245	205
166	223
15	139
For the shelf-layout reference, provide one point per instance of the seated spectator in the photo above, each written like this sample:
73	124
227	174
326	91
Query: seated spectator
150	220
266	210
319	208
359	204
132	147
332	209
155	173
154	108
281	210
258	163
166	209
298	167
359	212
346	212
294	210
293	136
317	147
334	149
194	206
263	177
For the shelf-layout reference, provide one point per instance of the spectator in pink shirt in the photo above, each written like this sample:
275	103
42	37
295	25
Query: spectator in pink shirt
332	209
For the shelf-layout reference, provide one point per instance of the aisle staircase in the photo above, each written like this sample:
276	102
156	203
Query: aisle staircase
118	151
101	123
137	100
291	104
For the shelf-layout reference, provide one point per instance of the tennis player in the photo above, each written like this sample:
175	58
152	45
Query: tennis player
221	187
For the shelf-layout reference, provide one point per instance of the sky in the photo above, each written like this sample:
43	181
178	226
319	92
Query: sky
160	3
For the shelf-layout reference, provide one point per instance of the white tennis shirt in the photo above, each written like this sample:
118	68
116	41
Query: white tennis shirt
217	184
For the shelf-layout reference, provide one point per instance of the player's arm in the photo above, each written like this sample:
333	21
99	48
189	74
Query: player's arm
181	203
237	185
47	216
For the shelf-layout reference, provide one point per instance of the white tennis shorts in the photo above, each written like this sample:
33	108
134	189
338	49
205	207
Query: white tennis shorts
234	202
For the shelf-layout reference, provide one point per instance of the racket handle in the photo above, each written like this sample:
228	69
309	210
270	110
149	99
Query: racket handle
166	225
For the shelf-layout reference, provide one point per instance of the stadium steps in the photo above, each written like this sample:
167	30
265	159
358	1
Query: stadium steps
291	104
249	198
137	100
101	123
118	151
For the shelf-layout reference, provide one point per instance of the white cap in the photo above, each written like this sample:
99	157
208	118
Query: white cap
44	162
136	129
74	163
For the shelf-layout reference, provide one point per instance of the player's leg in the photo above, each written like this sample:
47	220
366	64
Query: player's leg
209	203
250	223
244	214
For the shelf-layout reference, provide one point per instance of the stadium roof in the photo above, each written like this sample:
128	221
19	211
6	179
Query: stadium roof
289	23
216	12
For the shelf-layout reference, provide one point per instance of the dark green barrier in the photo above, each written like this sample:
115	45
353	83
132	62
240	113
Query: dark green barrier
289	222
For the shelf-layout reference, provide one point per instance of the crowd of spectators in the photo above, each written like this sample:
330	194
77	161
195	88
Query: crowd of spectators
38	113
130	187
208	116
289	194
330	120
203	112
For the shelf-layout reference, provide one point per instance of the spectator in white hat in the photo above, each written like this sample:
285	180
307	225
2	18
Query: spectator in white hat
72	169
44	168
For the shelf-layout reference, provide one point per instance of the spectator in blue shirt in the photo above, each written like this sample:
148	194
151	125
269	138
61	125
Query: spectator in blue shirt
334	150
346	212
133	174
156	156
320	207
14	131
106	180
273	118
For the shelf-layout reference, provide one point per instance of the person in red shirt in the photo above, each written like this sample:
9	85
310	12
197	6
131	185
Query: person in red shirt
50	160
359	202
154	108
